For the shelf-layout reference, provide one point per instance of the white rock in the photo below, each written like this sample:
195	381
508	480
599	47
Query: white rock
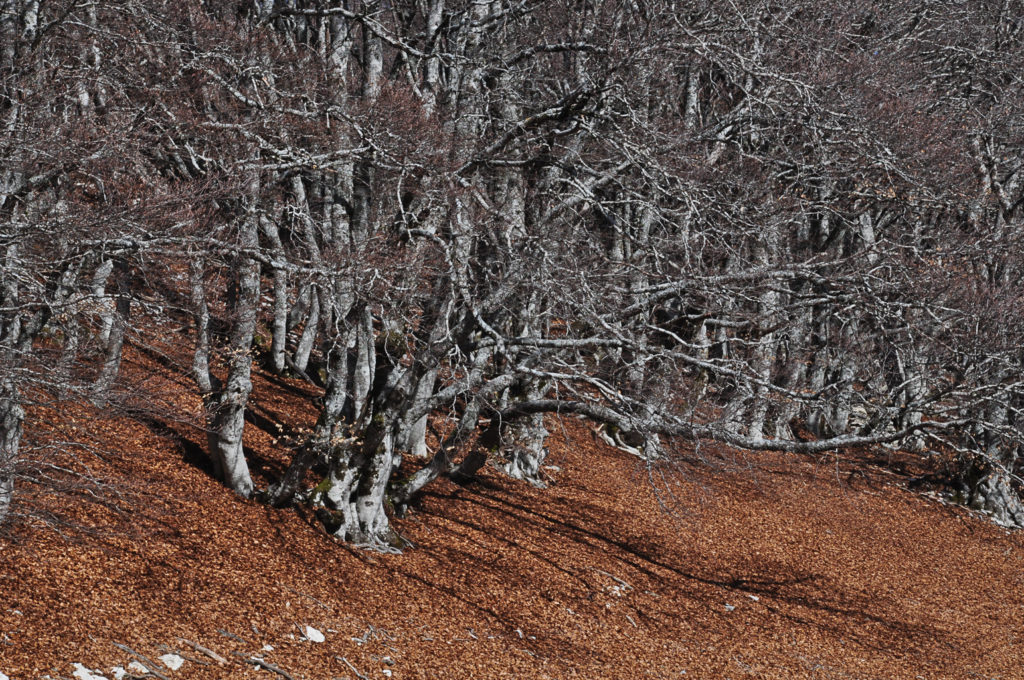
755	598
313	635
3	676
118	672
83	673
137	668
172	661
267	648
730	607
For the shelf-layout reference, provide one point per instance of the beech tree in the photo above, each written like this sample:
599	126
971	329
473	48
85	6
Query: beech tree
71	229
779	226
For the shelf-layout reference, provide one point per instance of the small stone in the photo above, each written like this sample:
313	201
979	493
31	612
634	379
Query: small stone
3	676
137	668
83	673
313	635
172	661
730	607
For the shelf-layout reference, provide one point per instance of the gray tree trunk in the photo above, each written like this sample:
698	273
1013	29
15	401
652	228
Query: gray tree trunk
113	350
995	495
325	432
11	418
993	487
279	323
911	392
767	345
525	450
356	485
796	370
432	65
309	331
105	304
64	296
228	419
225	405
414	438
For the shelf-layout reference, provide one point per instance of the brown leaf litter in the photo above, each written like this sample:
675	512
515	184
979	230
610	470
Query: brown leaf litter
718	565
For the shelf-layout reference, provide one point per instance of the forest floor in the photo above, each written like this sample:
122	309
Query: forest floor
717	565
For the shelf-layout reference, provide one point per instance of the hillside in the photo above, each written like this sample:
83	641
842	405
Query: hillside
511	338
718	566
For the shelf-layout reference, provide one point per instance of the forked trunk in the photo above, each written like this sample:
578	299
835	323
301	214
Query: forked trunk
523	442
319	446
991	478
354	492
527	452
994	494
224	407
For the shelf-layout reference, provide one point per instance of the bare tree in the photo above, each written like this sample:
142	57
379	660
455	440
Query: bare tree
768	225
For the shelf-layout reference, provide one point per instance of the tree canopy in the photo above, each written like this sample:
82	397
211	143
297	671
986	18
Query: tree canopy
787	226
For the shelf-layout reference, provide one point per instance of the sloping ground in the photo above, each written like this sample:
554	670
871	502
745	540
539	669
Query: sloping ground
765	566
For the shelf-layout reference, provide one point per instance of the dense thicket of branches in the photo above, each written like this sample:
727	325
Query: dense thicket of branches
730	223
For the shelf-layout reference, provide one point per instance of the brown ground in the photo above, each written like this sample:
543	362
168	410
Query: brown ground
764	566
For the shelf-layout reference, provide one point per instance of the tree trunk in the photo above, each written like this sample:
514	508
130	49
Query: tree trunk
11	418
68	323
320	443
225	407
279	323
767	345
364	365
309	331
796	344
355	489
113	348
228	421
994	493
993	486
523	442
913	393
414	438
441	463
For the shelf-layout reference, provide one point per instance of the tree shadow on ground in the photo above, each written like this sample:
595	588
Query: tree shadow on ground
797	595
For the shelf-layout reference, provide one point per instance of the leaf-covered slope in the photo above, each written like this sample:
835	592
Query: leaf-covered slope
758	566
